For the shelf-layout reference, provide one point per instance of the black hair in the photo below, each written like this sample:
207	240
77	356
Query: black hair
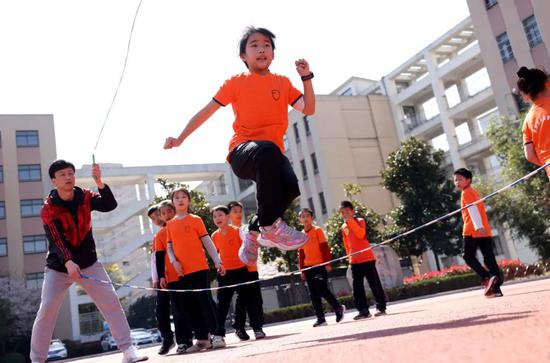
531	81
59	165
220	208
464	172
152	209
167	204
307	210
251	30
346	204
234	203
184	191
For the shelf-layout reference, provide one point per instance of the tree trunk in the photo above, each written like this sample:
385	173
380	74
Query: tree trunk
436	261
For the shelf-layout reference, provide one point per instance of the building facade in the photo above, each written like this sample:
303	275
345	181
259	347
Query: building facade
511	33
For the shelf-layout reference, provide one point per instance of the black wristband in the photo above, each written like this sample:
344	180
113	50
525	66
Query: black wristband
308	77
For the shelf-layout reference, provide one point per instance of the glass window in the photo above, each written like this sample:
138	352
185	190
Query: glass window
3	247
490	3
304	169
31	207
2	210
306	124
1	173
314	162
323	203
26	138
505	47
310	204
30	173
296	133
34	244
35	280
532	31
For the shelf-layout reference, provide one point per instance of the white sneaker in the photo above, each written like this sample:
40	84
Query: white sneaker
283	236
218	342
131	355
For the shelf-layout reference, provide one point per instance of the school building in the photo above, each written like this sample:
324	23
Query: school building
443	95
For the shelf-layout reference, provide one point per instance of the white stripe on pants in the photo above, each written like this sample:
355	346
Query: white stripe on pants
55	288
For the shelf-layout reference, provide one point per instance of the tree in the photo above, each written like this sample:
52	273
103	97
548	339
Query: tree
334	223
285	261
415	175
525	209
116	274
139	313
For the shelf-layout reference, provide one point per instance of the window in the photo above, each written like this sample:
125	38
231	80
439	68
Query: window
3	247
30	173
505	47
532	31
490	3
310	204
285	142
304	169
26	138
306	125
2	210
296	133
34	244
1	174
34	280
323	203
31	207
314	162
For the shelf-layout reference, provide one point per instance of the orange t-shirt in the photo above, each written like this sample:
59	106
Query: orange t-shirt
228	246
536	129
469	195
185	235
260	104
160	244
354	234
312	250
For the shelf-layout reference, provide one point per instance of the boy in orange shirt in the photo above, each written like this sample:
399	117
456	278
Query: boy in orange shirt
168	279
477	234
254	304
162	306
228	241
313	253
363	265
187	242
260	101
534	86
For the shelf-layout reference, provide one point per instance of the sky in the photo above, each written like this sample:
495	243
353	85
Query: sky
65	57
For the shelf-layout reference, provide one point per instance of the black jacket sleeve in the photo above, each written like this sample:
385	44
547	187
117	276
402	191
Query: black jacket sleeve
104	201
159	259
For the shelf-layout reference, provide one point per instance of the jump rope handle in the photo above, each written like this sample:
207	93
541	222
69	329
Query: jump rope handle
93	164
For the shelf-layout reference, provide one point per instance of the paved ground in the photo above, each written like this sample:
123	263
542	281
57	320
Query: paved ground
461	327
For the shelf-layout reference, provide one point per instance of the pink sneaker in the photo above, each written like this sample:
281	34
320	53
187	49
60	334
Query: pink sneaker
248	253
283	236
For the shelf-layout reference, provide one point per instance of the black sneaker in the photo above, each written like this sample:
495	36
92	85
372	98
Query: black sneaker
166	346
259	334
362	315
182	348
490	285
497	292
241	334
340	313
380	313
320	322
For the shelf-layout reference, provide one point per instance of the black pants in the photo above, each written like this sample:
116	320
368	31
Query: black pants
276	183
359	272
182	326
485	245
162	312
253	305
225	296
198	306
317	283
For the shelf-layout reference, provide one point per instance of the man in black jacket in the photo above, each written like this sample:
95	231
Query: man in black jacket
66	216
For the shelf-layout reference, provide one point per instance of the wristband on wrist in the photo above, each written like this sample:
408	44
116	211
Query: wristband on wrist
307	77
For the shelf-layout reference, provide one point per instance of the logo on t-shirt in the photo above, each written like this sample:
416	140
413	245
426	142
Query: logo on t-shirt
276	94
187	229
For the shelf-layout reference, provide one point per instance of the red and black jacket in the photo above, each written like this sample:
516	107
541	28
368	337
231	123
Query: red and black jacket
70	238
